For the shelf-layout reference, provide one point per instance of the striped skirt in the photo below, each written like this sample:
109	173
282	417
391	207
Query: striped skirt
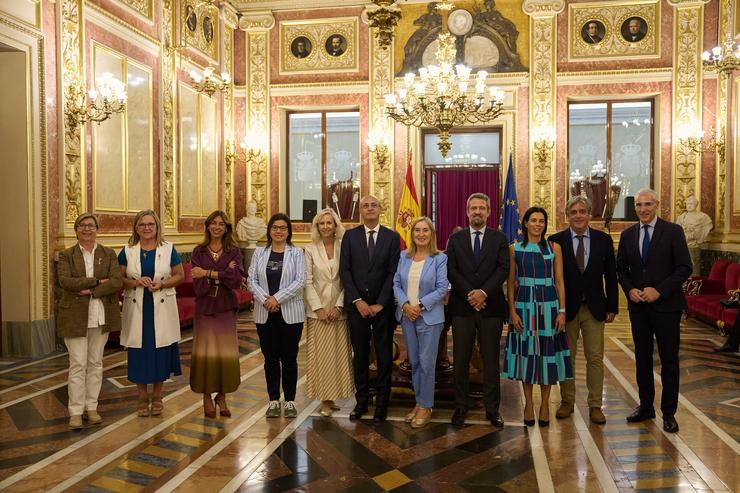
329	360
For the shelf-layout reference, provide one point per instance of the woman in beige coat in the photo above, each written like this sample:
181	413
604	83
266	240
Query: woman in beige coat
90	278
329	367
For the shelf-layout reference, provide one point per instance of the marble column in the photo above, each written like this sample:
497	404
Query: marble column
168	141
230	20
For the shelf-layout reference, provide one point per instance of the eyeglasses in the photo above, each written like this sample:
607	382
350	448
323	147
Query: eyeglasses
373	205
86	226
146	225
280	228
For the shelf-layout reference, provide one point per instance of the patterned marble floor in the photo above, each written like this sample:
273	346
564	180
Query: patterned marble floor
184	451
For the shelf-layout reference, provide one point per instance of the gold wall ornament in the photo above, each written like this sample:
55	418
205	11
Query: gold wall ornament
696	143
307	47
208	82
625	30
72	81
383	18
144	7
108	98
444	96
687	101
543	51
230	21
168	142
199	26
724	58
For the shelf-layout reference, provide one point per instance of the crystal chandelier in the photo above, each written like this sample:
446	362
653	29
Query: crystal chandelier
108	98
208	82
444	96
724	59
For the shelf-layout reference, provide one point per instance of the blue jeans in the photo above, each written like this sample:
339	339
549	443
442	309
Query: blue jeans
422	341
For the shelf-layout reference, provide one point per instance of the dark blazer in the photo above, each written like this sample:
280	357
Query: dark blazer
667	267
489	274
73	308
600	273
371	280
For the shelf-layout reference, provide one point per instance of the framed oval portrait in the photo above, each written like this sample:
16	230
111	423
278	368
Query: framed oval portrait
336	45
191	18
208	29
593	31
301	47
634	29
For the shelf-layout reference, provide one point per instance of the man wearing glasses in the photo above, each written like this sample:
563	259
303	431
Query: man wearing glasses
366	265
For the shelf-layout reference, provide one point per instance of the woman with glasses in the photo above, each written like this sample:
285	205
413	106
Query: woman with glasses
151	326
277	274
329	352
217	270
420	285
90	278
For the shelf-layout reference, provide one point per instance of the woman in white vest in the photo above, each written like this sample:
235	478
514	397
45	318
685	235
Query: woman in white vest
150	327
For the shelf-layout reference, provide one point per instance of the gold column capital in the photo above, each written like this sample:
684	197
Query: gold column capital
229	15
543	8
257	21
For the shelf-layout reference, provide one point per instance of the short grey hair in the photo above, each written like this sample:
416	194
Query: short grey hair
86	215
478	195
578	199
648	191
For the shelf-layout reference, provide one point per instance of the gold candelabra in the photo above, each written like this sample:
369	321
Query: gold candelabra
377	146
208	83
443	96
109	97
695	142
724	59
384	19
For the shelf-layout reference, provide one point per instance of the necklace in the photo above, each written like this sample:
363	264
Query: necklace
215	255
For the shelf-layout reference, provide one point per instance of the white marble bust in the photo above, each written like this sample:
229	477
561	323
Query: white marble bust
251	228
696	224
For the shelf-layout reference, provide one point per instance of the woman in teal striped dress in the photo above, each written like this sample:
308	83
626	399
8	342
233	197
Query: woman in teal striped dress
537	347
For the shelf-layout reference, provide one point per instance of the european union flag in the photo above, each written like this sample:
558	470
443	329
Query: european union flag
509	219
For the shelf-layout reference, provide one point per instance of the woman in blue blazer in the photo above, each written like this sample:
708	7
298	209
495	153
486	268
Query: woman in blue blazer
277	275
420	285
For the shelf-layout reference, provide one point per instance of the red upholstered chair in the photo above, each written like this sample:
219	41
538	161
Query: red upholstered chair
713	283
186	297
704	303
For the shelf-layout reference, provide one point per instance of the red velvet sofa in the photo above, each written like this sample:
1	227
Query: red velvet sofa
703	294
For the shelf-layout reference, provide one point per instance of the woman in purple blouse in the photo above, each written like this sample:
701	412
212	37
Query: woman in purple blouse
217	270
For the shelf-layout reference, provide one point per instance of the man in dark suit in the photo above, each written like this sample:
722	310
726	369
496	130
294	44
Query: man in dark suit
477	266
367	264
653	262
591	300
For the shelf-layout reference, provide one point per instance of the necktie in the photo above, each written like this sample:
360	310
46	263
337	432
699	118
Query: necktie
371	244
476	246
580	254
645	242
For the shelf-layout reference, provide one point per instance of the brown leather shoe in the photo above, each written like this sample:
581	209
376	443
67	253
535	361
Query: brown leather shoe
565	410
596	415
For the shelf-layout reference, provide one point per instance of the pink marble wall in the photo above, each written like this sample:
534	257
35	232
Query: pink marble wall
128	16
94	33
363	50
666	46
606	91
708	170
277	179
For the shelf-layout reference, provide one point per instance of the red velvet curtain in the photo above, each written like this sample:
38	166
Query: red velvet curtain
453	187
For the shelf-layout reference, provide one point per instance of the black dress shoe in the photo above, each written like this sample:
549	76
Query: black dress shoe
458	417
726	348
381	412
670	425
641	414
496	419
357	412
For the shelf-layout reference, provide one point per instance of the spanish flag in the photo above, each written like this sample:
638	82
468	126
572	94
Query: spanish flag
408	209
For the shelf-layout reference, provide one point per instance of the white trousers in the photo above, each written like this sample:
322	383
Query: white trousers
85	370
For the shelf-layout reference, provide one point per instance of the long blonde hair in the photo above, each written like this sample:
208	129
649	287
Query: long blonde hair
315	235
411	250
134	238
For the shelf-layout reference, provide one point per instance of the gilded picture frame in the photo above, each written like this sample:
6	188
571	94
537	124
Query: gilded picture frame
199	27
322	45
614	30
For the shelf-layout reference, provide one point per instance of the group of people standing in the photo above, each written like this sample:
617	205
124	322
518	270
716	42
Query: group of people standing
354	286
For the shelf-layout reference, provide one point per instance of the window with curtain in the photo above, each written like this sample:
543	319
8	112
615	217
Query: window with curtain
610	152
323	164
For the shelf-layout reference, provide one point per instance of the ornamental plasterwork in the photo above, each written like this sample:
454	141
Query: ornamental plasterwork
726	15
687	101
258	115
71	39
381	171
144	7
316	35
169	213
536	8
614	17
199	25
229	24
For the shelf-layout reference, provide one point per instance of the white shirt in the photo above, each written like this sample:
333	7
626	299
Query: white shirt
651	230
367	233
95	311
414	279
472	236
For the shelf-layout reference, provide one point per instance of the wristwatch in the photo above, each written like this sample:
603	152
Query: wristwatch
561	310
423	308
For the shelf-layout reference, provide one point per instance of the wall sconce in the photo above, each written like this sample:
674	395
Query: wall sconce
99	104
208	83
544	143
694	141
384	18
377	145
724	59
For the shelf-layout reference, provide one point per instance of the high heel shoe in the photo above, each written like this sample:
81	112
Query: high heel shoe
410	416
209	410
529	422
544	423
221	403
421	422
326	409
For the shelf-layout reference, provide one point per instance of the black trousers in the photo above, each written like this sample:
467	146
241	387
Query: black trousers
279	343
665	328
488	332
381	329
733	340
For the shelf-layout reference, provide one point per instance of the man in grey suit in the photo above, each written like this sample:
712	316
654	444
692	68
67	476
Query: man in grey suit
477	266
